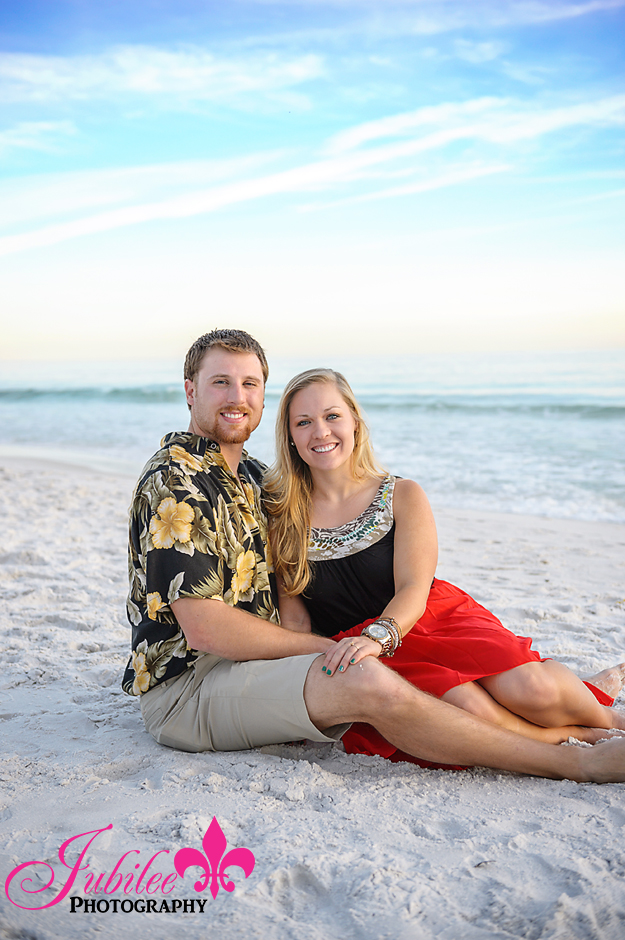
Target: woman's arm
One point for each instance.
(415, 554)
(293, 612)
(414, 562)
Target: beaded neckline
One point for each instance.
(369, 527)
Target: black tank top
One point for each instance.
(352, 567)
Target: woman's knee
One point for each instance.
(533, 684)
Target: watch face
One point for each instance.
(378, 632)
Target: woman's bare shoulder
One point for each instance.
(409, 496)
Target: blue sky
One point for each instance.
(363, 176)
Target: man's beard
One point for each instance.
(235, 436)
(222, 433)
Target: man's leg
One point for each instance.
(425, 727)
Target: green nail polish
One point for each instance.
(341, 668)
(352, 661)
(323, 668)
(328, 672)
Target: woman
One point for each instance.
(350, 541)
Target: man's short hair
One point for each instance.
(235, 340)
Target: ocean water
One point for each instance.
(537, 433)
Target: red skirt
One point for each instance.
(455, 641)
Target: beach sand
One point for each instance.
(345, 846)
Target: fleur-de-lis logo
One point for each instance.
(214, 863)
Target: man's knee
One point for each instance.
(358, 694)
(375, 686)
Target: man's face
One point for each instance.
(226, 398)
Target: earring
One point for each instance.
(292, 443)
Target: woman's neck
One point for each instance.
(338, 497)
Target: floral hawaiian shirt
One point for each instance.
(194, 532)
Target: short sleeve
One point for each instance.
(179, 542)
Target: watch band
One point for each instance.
(387, 644)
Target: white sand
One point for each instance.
(345, 846)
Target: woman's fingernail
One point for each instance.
(323, 668)
(328, 672)
(341, 668)
(352, 661)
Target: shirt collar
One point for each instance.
(202, 446)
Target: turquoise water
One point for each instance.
(525, 432)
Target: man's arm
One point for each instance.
(212, 626)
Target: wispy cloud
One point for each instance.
(396, 125)
(479, 52)
(443, 181)
(191, 74)
(547, 11)
(306, 178)
(45, 136)
(392, 18)
(493, 119)
(357, 156)
(527, 74)
(64, 195)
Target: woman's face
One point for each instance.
(322, 427)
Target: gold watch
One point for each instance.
(382, 635)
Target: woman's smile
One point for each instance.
(324, 448)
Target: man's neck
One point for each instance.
(232, 455)
(231, 452)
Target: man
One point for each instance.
(213, 667)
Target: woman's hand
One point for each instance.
(349, 652)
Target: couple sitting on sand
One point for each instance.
(218, 668)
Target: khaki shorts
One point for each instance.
(220, 705)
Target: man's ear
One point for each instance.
(189, 391)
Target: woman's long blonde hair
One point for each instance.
(289, 486)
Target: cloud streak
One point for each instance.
(65, 194)
(44, 136)
(396, 18)
(451, 178)
(495, 123)
(356, 155)
(191, 73)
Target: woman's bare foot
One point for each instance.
(609, 680)
(588, 735)
(604, 763)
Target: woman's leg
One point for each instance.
(550, 695)
(474, 699)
